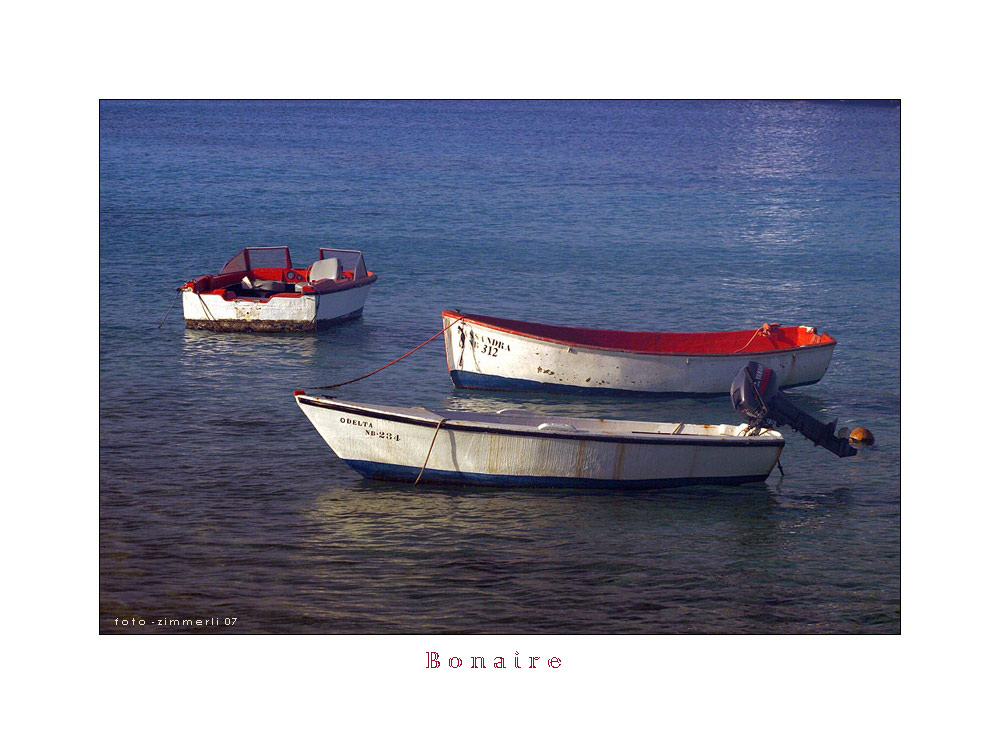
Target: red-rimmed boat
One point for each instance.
(492, 353)
(260, 290)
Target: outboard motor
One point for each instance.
(756, 397)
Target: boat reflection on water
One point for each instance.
(474, 560)
(309, 354)
(383, 516)
(201, 346)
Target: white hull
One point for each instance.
(481, 356)
(284, 312)
(516, 448)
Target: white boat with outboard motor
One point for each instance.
(519, 448)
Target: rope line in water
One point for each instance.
(172, 303)
(390, 364)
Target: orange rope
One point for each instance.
(764, 330)
(390, 364)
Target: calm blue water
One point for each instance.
(218, 498)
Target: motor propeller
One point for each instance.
(756, 397)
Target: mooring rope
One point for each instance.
(172, 303)
(429, 448)
(205, 307)
(390, 364)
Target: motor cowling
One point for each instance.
(756, 397)
(753, 389)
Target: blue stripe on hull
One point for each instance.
(477, 381)
(399, 473)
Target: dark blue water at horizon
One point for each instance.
(219, 499)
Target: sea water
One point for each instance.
(218, 500)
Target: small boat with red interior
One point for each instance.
(260, 290)
(492, 353)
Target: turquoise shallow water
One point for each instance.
(219, 499)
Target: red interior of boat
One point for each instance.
(216, 284)
(274, 275)
(770, 339)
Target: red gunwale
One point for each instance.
(215, 285)
(681, 344)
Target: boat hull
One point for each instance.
(482, 356)
(393, 444)
(282, 312)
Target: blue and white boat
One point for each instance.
(518, 448)
(489, 353)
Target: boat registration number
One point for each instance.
(488, 345)
(370, 429)
(388, 436)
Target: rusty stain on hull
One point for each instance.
(494, 458)
(619, 461)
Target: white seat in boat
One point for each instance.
(322, 269)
